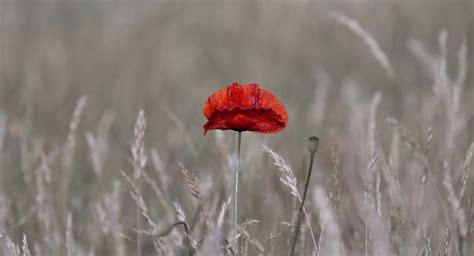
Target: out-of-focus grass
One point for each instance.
(166, 57)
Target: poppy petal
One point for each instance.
(244, 108)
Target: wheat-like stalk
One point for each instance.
(368, 39)
(288, 179)
(108, 213)
(465, 170)
(12, 247)
(369, 202)
(24, 247)
(427, 244)
(71, 137)
(158, 192)
(139, 158)
(453, 199)
(446, 243)
(286, 173)
(193, 186)
(140, 202)
(335, 176)
(70, 251)
(329, 222)
(182, 218)
(409, 140)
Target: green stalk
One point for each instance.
(313, 147)
(236, 196)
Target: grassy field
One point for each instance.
(102, 148)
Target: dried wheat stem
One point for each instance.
(428, 244)
(368, 39)
(193, 185)
(139, 160)
(336, 181)
(459, 214)
(465, 171)
(313, 147)
(288, 179)
(24, 248)
(446, 242)
(69, 236)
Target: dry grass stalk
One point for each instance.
(179, 211)
(97, 150)
(450, 92)
(329, 222)
(158, 193)
(193, 186)
(288, 179)
(321, 239)
(244, 244)
(182, 218)
(138, 198)
(335, 176)
(213, 245)
(427, 244)
(222, 212)
(69, 151)
(368, 39)
(454, 202)
(3, 129)
(70, 144)
(76, 118)
(446, 243)
(44, 202)
(369, 202)
(271, 237)
(243, 232)
(465, 171)
(409, 140)
(139, 158)
(24, 247)
(375, 233)
(70, 251)
(286, 173)
(371, 140)
(159, 168)
(12, 248)
(98, 144)
(424, 178)
(108, 213)
(270, 241)
(378, 194)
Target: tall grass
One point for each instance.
(388, 87)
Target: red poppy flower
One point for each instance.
(244, 108)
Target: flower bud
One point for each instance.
(313, 143)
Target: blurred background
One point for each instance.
(167, 57)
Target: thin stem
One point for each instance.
(366, 236)
(236, 196)
(300, 210)
(139, 240)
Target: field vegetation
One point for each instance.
(102, 149)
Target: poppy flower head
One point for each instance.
(244, 108)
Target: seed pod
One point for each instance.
(313, 144)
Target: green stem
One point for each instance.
(300, 210)
(236, 196)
